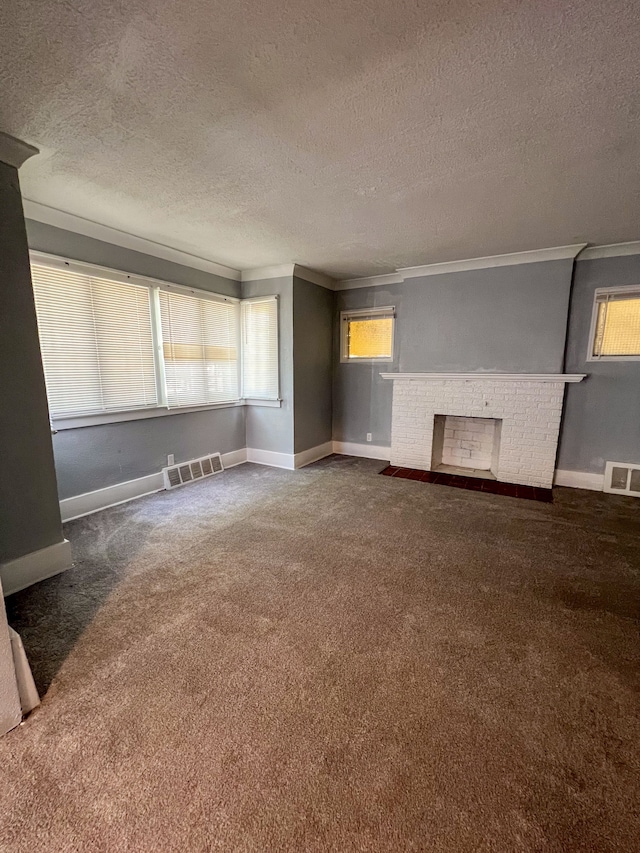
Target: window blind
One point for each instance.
(618, 325)
(260, 380)
(370, 338)
(200, 348)
(96, 342)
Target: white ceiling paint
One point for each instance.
(354, 137)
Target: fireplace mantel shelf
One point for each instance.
(489, 377)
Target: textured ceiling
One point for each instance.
(351, 136)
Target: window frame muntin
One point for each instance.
(600, 295)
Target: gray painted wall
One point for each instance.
(506, 319)
(312, 360)
(95, 457)
(29, 511)
(269, 428)
(602, 414)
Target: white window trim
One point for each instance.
(372, 313)
(78, 421)
(600, 295)
(97, 418)
(267, 402)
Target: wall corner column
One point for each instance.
(29, 509)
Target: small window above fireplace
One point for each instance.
(367, 334)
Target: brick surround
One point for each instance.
(530, 409)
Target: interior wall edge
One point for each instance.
(313, 454)
(271, 458)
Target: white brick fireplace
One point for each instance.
(511, 432)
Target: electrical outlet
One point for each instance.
(368, 436)
(171, 459)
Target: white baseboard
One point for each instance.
(89, 502)
(36, 566)
(290, 461)
(235, 457)
(271, 458)
(306, 457)
(81, 505)
(580, 480)
(368, 451)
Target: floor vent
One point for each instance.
(622, 478)
(189, 472)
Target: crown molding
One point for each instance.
(611, 250)
(369, 281)
(260, 273)
(556, 253)
(314, 277)
(79, 225)
(286, 270)
(14, 152)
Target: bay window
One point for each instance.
(118, 343)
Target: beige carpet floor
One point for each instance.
(330, 660)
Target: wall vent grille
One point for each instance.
(194, 469)
(622, 478)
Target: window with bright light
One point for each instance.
(260, 378)
(367, 335)
(616, 324)
(112, 342)
(199, 349)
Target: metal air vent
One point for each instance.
(194, 469)
(622, 478)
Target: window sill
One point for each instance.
(77, 422)
(346, 360)
(594, 359)
(271, 404)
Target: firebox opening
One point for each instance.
(468, 446)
